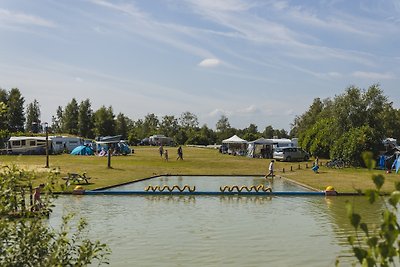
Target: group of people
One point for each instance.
(164, 153)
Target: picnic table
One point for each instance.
(76, 178)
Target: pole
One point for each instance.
(109, 156)
(47, 145)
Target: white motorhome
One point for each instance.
(283, 142)
(65, 143)
(160, 139)
(27, 145)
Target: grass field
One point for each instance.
(146, 162)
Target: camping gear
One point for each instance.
(82, 150)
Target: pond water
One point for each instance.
(211, 183)
(160, 230)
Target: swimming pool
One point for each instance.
(161, 230)
(209, 185)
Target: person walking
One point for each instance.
(270, 169)
(166, 155)
(180, 153)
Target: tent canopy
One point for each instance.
(234, 140)
(262, 141)
(82, 150)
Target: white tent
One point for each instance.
(260, 148)
(236, 145)
(234, 140)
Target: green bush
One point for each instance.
(377, 246)
(351, 145)
(26, 237)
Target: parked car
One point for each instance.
(290, 154)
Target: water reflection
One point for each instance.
(331, 216)
(219, 230)
(244, 199)
(171, 198)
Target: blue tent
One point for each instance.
(82, 150)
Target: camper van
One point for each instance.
(118, 146)
(27, 145)
(65, 143)
(159, 139)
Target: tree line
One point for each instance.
(339, 127)
(80, 119)
(348, 124)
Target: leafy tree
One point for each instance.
(204, 136)
(136, 132)
(150, 124)
(356, 108)
(70, 117)
(376, 246)
(268, 132)
(33, 117)
(3, 95)
(169, 126)
(282, 133)
(104, 121)
(26, 237)
(391, 121)
(3, 130)
(319, 139)
(85, 119)
(250, 133)
(181, 137)
(351, 144)
(308, 119)
(121, 125)
(209, 135)
(223, 129)
(57, 121)
(3, 110)
(353, 111)
(188, 120)
(15, 111)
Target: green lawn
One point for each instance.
(146, 162)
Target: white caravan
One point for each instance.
(65, 143)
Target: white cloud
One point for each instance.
(147, 26)
(11, 17)
(219, 112)
(209, 63)
(249, 110)
(372, 75)
(226, 5)
(289, 112)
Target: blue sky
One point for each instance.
(254, 61)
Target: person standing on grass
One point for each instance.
(315, 168)
(161, 150)
(166, 155)
(180, 153)
(270, 169)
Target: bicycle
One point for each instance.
(335, 163)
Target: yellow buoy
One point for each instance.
(330, 191)
(330, 188)
(78, 190)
